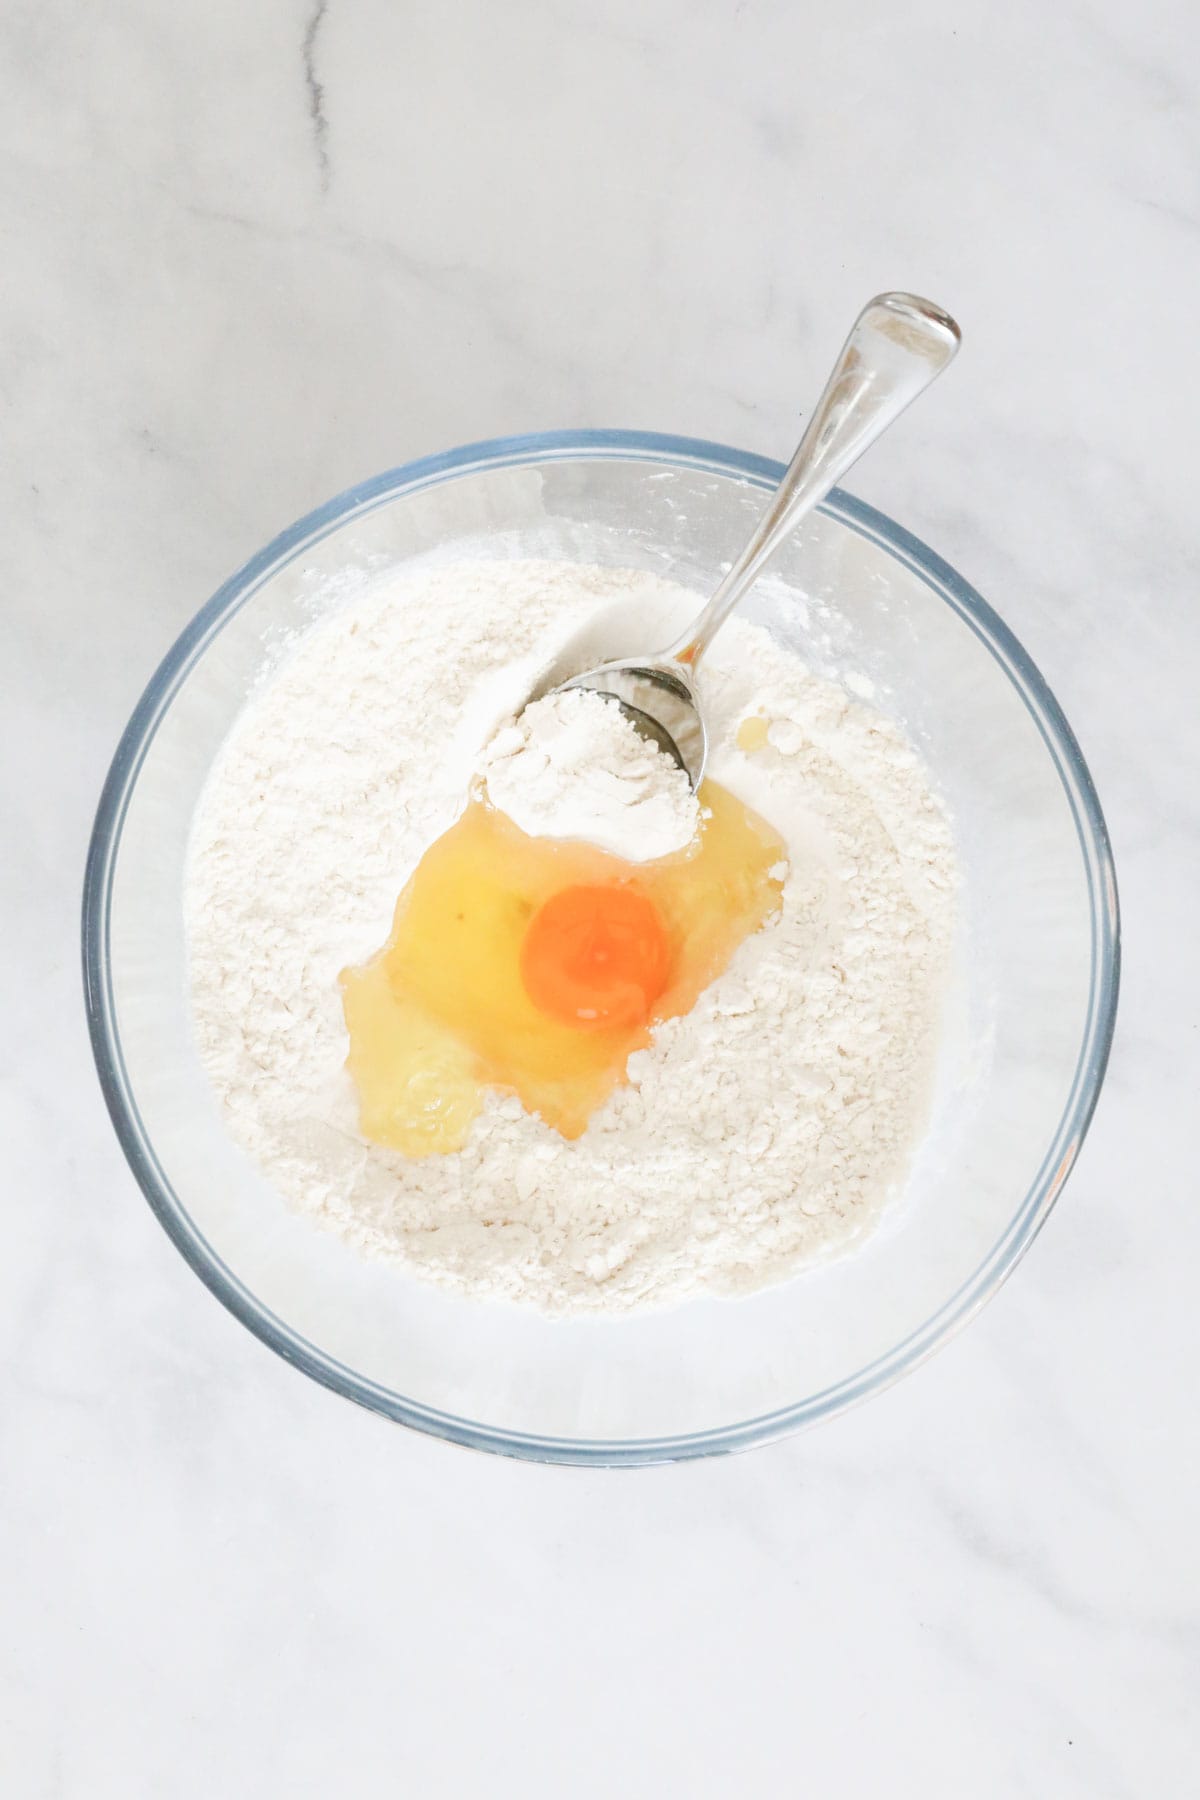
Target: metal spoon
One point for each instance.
(899, 344)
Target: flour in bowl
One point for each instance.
(761, 1131)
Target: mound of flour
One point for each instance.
(762, 1131)
(573, 766)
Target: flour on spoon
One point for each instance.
(573, 766)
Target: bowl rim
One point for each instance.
(866, 521)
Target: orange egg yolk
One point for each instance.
(535, 968)
(596, 957)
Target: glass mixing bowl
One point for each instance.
(1025, 1047)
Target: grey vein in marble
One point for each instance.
(316, 92)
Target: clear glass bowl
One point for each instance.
(1025, 1051)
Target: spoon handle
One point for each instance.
(899, 344)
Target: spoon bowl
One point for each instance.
(659, 700)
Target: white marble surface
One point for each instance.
(253, 253)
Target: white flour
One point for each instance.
(763, 1130)
(574, 767)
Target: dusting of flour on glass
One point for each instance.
(761, 1131)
